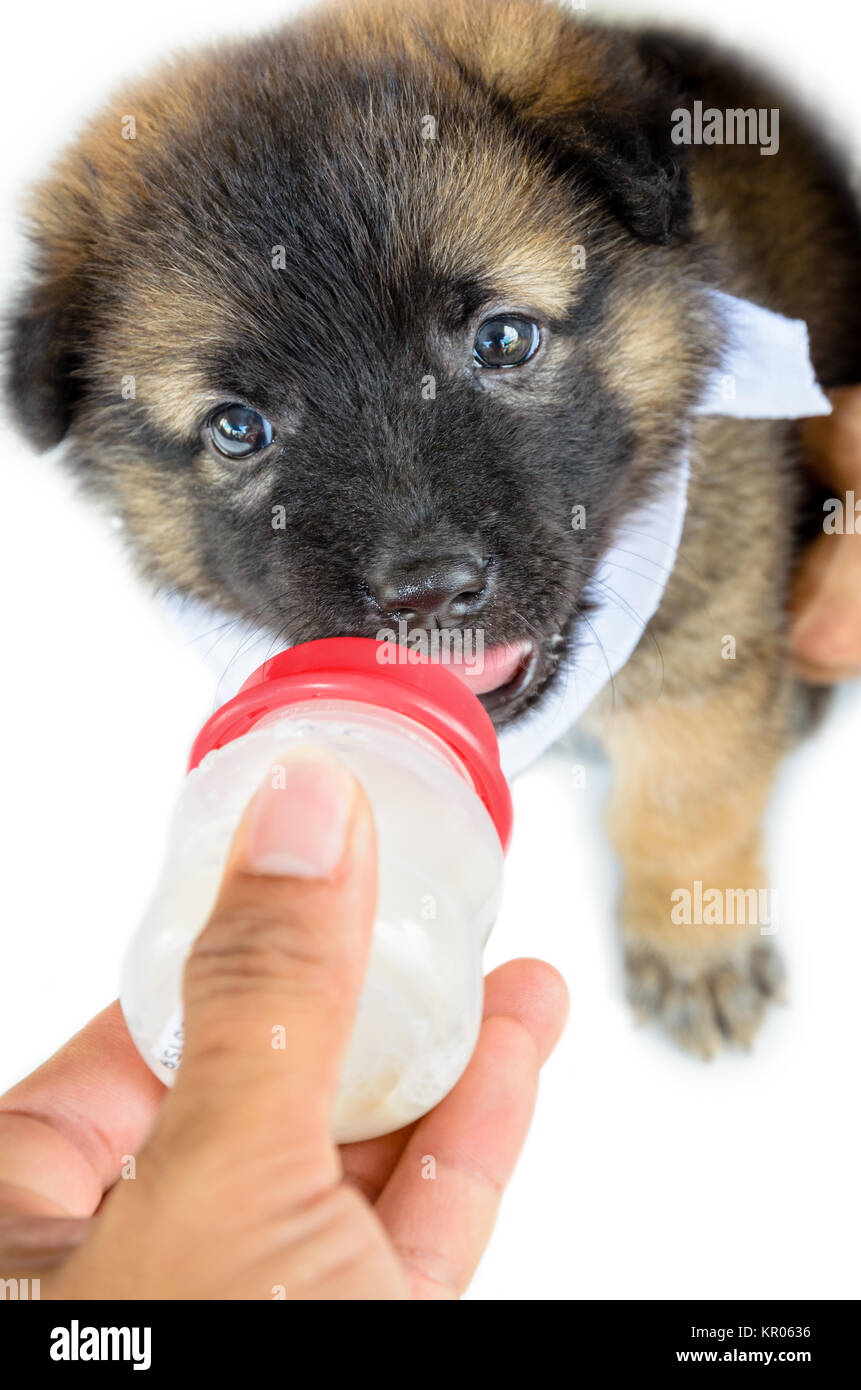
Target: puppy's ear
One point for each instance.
(606, 114)
(628, 155)
(596, 101)
(43, 352)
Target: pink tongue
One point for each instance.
(489, 669)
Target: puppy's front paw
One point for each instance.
(705, 999)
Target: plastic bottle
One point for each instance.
(425, 752)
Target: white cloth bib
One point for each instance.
(766, 373)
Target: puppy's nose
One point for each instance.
(444, 589)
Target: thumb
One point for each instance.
(272, 982)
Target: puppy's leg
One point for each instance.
(693, 777)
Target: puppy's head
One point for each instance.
(346, 322)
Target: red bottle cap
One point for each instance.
(378, 673)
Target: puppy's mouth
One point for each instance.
(508, 678)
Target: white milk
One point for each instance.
(440, 871)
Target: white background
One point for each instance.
(647, 1174)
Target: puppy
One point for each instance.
(248, 270)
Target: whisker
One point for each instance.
(625, 607)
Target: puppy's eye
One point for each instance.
(237, 431)
(506, 341)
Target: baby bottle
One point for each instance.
(425, 752)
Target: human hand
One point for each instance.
(826, 634)
(239, 1192)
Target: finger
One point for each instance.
(272, 982)
(66, 1130)
(826, 632)
(35, 1244)
(832, 443)
(520, 989)
(441, 1202)
(533, 993)
(826, 601)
